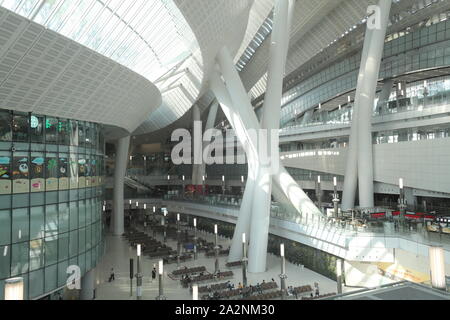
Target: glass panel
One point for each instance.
(51, 274)
(37, 128)
(51, 220)
(63, 247)
(73, 215)
(5, 257)
(20, 225)
(36, 254)
(37, 220)
(51, 250)
(20, 127)
(51, 172)
(37, 172)
(5, 125)
(62, 273)
(21, 174)
(19, 259)
(63, 132)
(73, 243)
(51, 125)
(5, 227)
(5, 172)
(63, 217)
(36, 279)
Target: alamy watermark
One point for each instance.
(219, 147)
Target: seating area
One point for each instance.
(242, 293)
(303, 289)
(213, 287)
(150, 246)
(319, 297)
(265, 296)
(212, 253)
(211, 277)
(234, 264)
(186, 271)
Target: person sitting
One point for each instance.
(240, 286)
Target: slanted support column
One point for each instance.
(209, 125)
(243, 222)
(198, 145)
(366, 102)
(88, 286)
(384, 94)
(307, 117)
(122, 147)
(365, 77)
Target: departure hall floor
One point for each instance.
(118, 254)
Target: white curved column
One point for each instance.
(245, 212)
(122, 147)
(351, 169)
(209, 125)
(88, 286)
(367, 98)
(307, 117)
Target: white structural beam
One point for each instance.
(122, 147)
(366, 102)
(209, 125)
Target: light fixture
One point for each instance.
(437, 267)
(223, 178)
(138, 250)
(282, 250)
(203, 177)
(183, 178)
(318, 179)
(137, 204)
(178, 217)
(104, 208)
(195, 292)
(168, 177)
(242, 179)
(145, 206)
(130, 202)
(14, 289)
(154, 209)
(400, 183)
(215, 229)
(335, 181)
(161, 267)
(243, 238)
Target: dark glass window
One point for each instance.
(5, 125)
(51, 125)
(37, 129)
(81, 134)
(73, 133)
(63, 132)
(20, 127)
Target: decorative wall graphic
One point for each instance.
(21, 175)
(51, 182)
(63, 174)
(5, 175)
(37, 174)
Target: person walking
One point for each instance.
(153, 273)
(112, 276)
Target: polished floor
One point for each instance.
(118, 254)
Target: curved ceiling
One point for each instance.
(46, 73)
(151, 38)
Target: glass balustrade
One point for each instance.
(338, 227)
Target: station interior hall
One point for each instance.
(225, 150)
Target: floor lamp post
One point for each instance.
(138, 274)
(216, 250)
(160, 278)
(283, 275)
(195, 238)
(178, 240)
(244, 260)
(335, 198)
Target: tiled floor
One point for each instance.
(118, 254)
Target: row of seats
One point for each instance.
(265, 296)
(303, 289)
(212, 253)
(233, 264)
(209, 277)
(213, 287)
(189, 271)
(319, 297)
